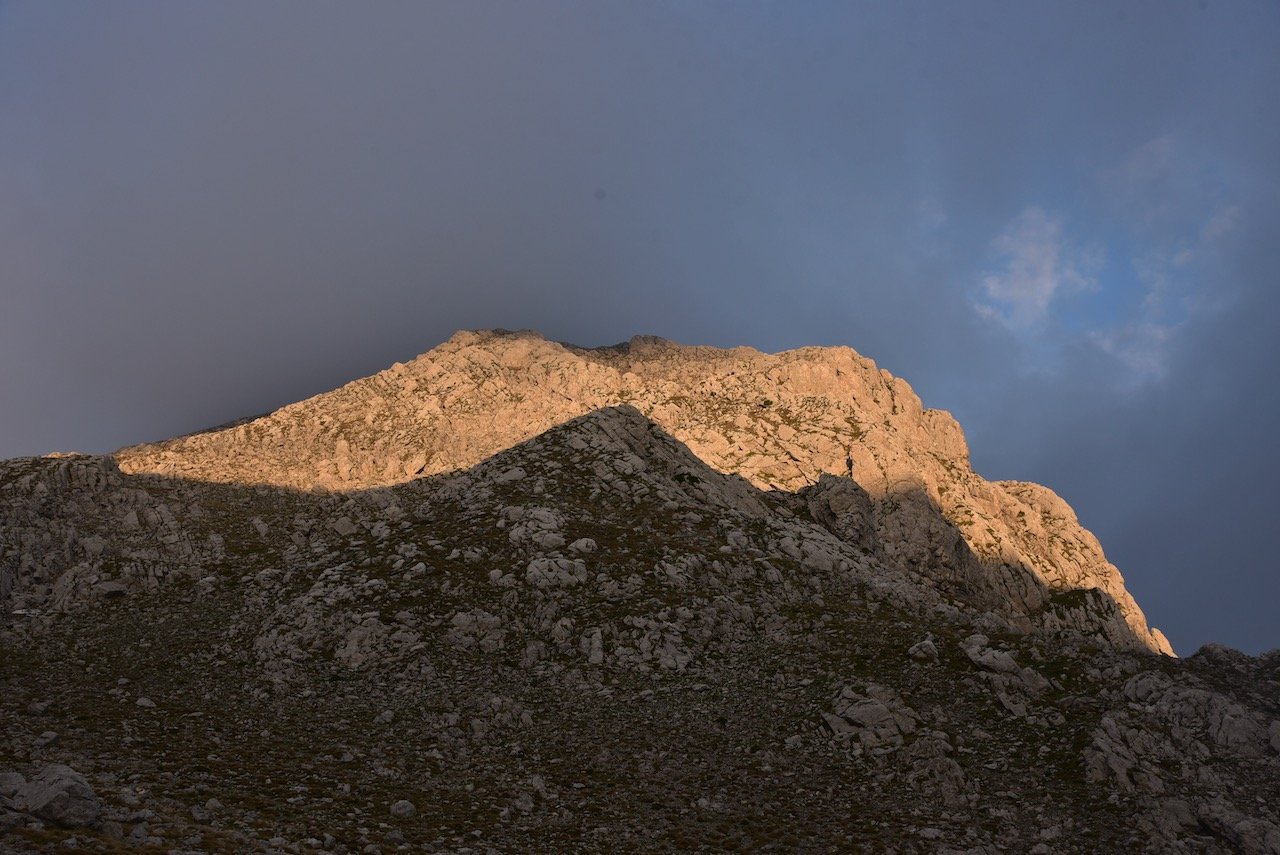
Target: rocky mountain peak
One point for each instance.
(781, 421)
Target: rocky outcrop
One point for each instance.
(58, 794)
(76, 531)
(876, 721)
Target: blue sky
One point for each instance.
(1058, 221)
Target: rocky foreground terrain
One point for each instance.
(518, 596)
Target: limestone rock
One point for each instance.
(61, 795)
(878, 719)
(924, 651)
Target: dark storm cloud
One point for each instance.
(1057, 222)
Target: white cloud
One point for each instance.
(1153, 271)
(1141, 347)
(1163, 189)
(1172, 279)
(1175, 214)
(1037, 264)
(1147, 187)
(1172, 221)
(1147, 164)
(1222, 221)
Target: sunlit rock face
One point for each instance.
(781, 421)
(522, 597)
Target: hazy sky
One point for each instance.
(1059, 221)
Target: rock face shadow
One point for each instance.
(908, 530)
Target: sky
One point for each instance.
(1059, 221)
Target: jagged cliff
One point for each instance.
(516, 596)
(781, 421)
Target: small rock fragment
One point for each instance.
(924, 651)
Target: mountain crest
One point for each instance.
(781, 421)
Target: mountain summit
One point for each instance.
(517, 596)
(781, 421)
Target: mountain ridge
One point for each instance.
(835, 413)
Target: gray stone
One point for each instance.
(924, 651)
(10, 783)
(583, 545)
(61, 795)
(111, 589)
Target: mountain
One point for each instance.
(780, 421)
(516, 595)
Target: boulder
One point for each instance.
(60, 795)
